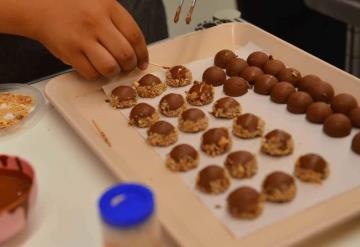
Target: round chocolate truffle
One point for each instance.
(290, 75)
(172, 105)
(200, 94)
(223, 57)
(193, 120)
(245, 203)
(277, 143)
(281, 91)
(236, 66)
(264, 84)
(273, 66)
(236, 86)
(337, 125)
(354, 116)
(216, 141)
(143, 115)
(321, 91)
(311, 168)
(226, 107)
(178, 76)
(355, 145)
(298, 102)
(241, 164)
(149, 86)
(214, 76)
(248, 126)
(162, 134)
(257, 58)
(279, 187)
(307, 81)
(317, 112)
(343, 103)
(123, 97)
(182, 158)
(213, 180)
(250, 73)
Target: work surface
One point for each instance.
(70, 180)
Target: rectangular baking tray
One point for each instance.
(182, 214)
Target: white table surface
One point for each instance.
(71, 178)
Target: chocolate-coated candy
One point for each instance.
(281, 92)
(289, 75)
(343, 103)
(257, 58)
(337, 125)
(298, 102)
(354, 116)
(214, 76)
(317, 112)
(223, 57)
(250, 73)
(236, 66)
(149, 80)
(264, 84)
(355, 145)
(236, 86)
(273, 66)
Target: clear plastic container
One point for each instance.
(128, 217)
(35, 113)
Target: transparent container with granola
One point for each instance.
(20, 106)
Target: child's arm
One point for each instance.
(97, 37)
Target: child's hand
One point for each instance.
(96, 37)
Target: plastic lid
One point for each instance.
(126, 205)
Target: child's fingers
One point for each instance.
(131, 31)
(101, 59)
(119, 47)
(84, 67)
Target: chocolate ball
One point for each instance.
(179, 72)
(213, 179)
(281, 92)
(244, 201)
(313, 162)
(248, 121)
(140, 111)
(307, 81)
(214, 76)
(214, 136)
(273, 66)
(250, 73)
(173, 101)
(183, 152)
(337, 125)
(124, 93)
(257, 58)
(236, 66)
(277, 180)
(162, 128)
(289, 75)
(298, 102)
(226, 107)
(317, 112)
(200, 94)
(223, 57)
(343, 103)
(264, 84)
(354, 116)
(235, 86)
(193, 114)
(355, 145)
(321, 91)
(149, 80)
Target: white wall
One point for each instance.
(204, 11)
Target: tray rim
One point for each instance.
(345, 201)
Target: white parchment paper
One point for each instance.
(344, 164)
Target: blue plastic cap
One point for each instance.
(126, 205)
